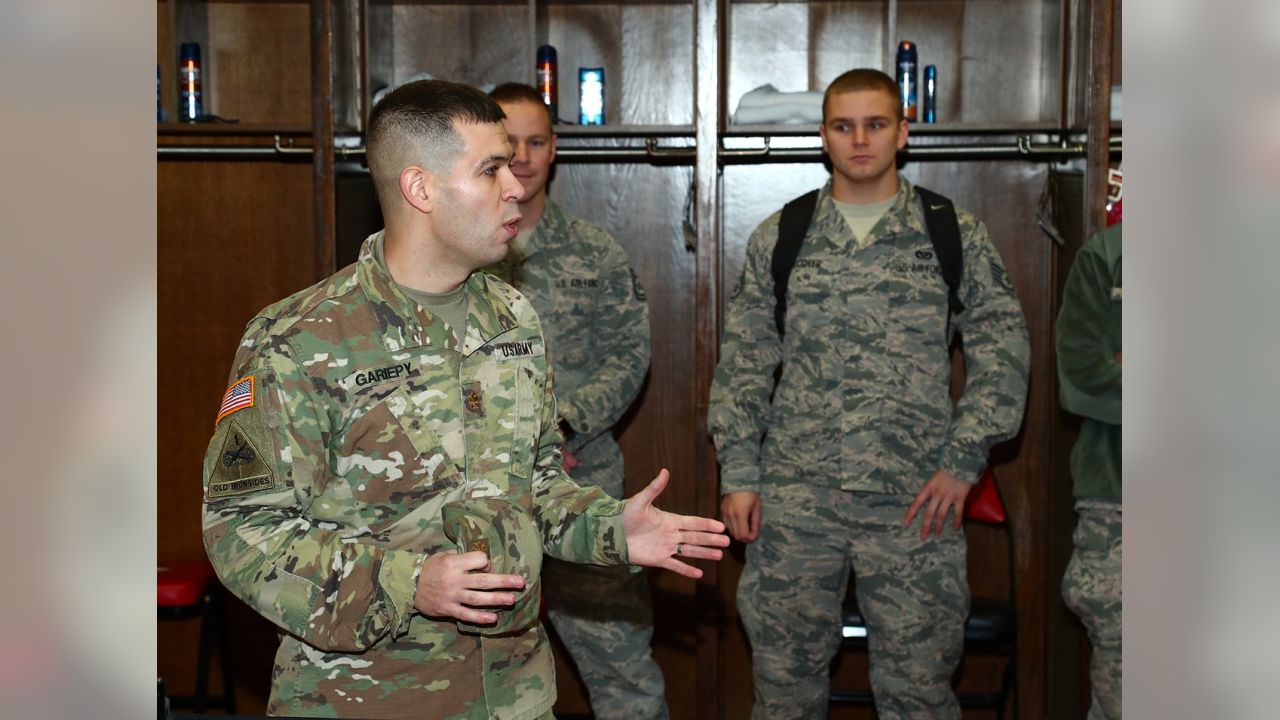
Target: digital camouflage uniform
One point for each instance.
(1088, 338)
(324, 496)
(593, 312)
(860, 421)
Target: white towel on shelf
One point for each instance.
(765, 105)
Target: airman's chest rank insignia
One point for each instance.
(516, 349)
(239, 468)
(375, 376)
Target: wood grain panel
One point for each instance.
(989, 55)
(322, 178)
(709, 61)
(1117, 44)
(642, 206)
(166, 57)
(232, 237)
(482, 45)
(1067, 644)
(646, 51)
(843, 36)
(258, 62)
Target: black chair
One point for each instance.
(188, 590)
(991, 628)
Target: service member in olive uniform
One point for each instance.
(861, 454)
(1089, 374)
(594, 317)
(405, 391)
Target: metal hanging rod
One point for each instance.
(279, 146)
(1023, 147)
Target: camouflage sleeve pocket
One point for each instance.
(528, 421)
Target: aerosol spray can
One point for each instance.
(590, 96)
(931, 93)
(547, 79)
(906, 77)
(190, 96)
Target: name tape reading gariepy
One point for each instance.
(374, 376)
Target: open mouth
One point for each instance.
(512, 226)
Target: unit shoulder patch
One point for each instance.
(239, 468)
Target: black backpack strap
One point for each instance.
(944, 231)
(796, 216)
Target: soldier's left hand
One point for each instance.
(656, 538)
(942, 494)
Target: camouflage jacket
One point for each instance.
(863, 402)
(353, 418)
(593, 312)
(1089, 376)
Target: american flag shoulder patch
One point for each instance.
(238, 397)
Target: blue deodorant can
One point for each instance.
(931, 93)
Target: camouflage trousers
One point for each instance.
(604, 616)
(1091, 588)
(913, 594)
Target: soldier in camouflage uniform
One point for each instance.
(365, 405)
(861, 434)
(597, 327)
(1089, 375)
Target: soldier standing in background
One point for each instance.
(366, 409)
(1089, 378)
(857, 458)
(593, 313)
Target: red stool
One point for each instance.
(187, 590)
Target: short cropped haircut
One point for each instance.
(514, 92)
(862, 79)
(413, 125)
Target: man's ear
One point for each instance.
(416, 187)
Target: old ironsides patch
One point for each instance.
(239, 468)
